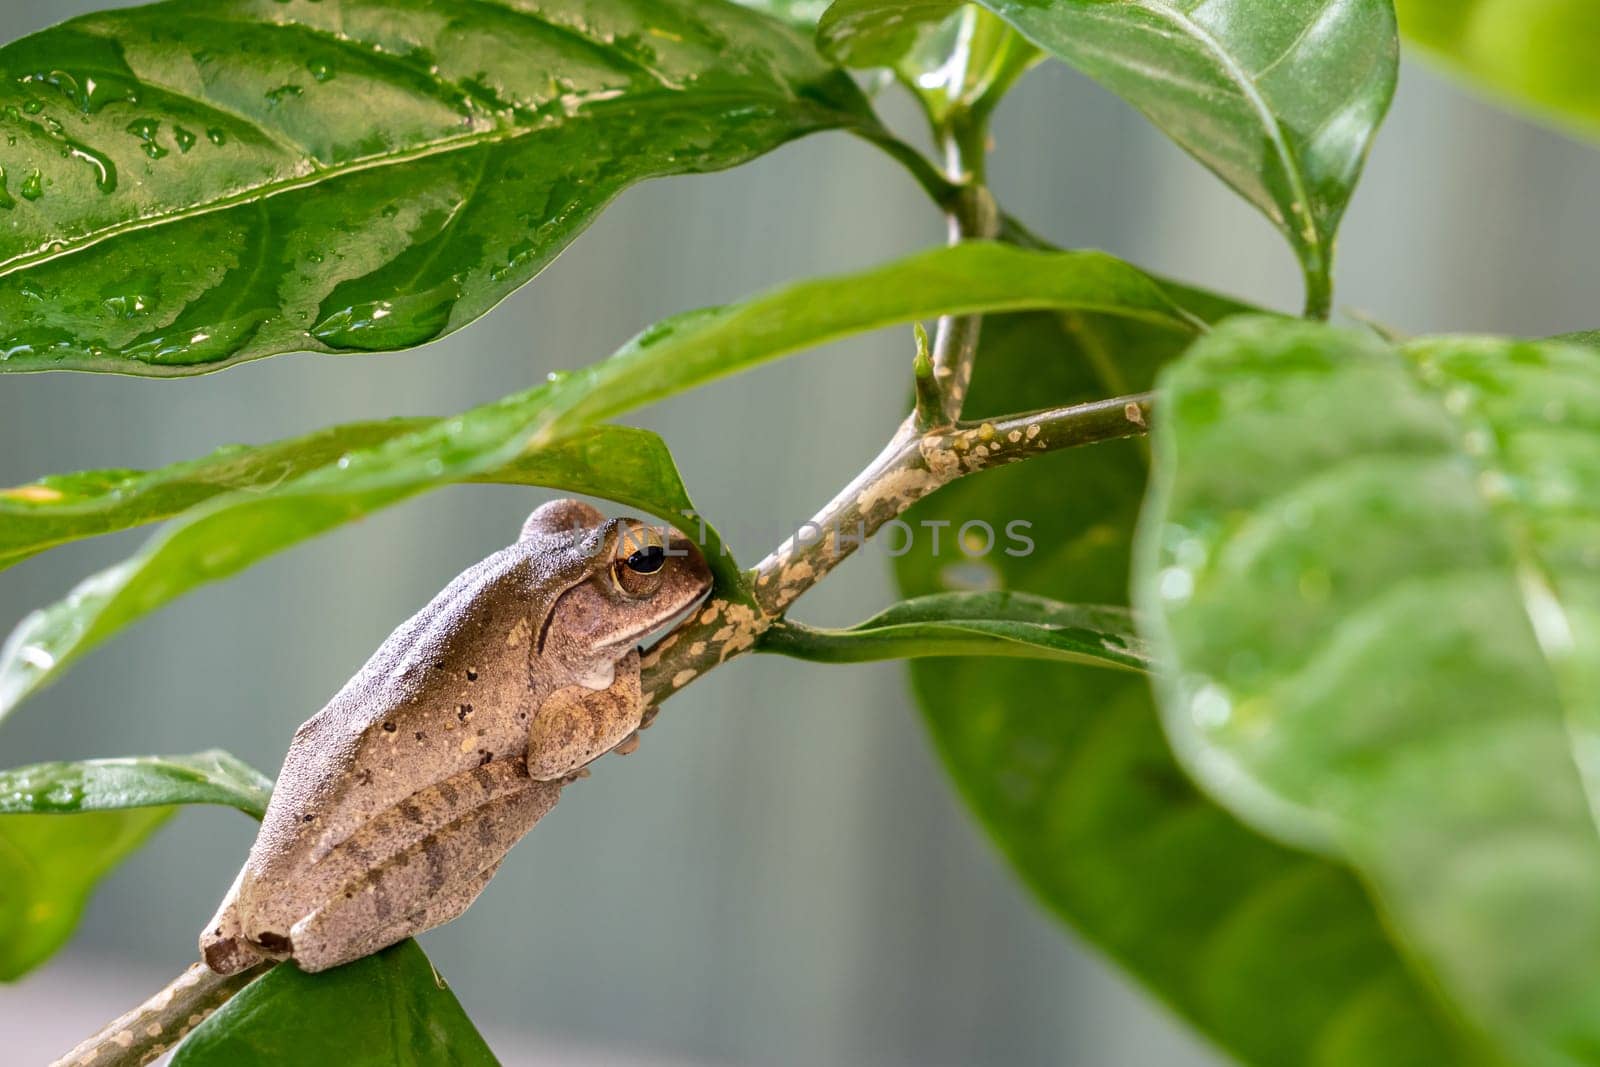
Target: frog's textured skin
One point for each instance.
(397, 802)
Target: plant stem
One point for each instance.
(912, 465)
(161, 1022)
(973, 216)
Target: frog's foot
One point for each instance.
(222, 943)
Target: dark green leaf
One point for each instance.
(1372, 572)
(1537, 54)
(542, 437)
(1281, 100)
(49, 866)
(972, 624)
(1275, 956)
(388, 1010)
(214, 777)
(197, 183)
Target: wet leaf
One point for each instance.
(214, 777)
(1274, 955)
(1281, 100)
(1539, 55)
(383, 1011)
(192, 184)
(972, 624)
(543, 437)
(65, 826)
(1371, 573)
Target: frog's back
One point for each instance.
(451, 689)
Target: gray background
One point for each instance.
(780, 876)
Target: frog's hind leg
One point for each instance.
(421, 886)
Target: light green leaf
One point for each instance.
(972, 624)
(68, 507)
(1274, 955)
(547, 436)
(49, 866)
(213, 777)
(1372, 572)
(386, 1010)
(1280, 100)
(977, 276)
(1533, 54)
(954, 57)
(197, 183)
(802, 13)
(236, 529)
(65, 826)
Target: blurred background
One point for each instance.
(781, 875)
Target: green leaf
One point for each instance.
(68, 507)
(235, 529)
(802, 13)
(383, 1011)
(972, 624)
(213, 777)
(1538, 55)
(1281, 101)
(49, 866)
(547, 436)
(1372, 572)
(977, 276)
(197, 183)
(65, 826)
(954, 57)
(1274, 955)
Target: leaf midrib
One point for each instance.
(1258, 103)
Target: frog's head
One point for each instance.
(617, 580)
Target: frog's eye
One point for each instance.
(639, 561)
(647, 560)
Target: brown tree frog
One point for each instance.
(397, 801)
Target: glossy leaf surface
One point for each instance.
(387, 1010)
(1274, 955)
(542, 437)
(71, 788)
(191, 184)
(1535, 54)
(978, 276)
(952, 56)
(1280, 100)
(1371, 572)
(65, 826)
(973, 624)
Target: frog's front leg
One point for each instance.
(576, 725)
